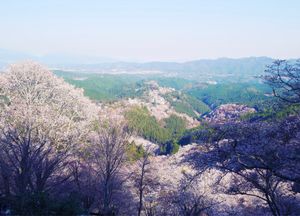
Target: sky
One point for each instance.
(148, 30)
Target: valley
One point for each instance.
(163, 109)
(184, 144)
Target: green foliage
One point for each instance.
(240, 93)
(293, 109)
(134, 152)
(182, 107)
(140, 120)
(174, 82)
(170, 147)
(187, 104)
(202, 132)
(105, 87)
(176, 126)
(197, 105)
(174, 148)
(271, 113)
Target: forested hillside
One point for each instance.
(111, 87)
(90, 144)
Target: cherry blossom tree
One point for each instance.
(260, 157)
(106, 153)
(284, 78)
(145, 183)
(43, 120)
(189, 199)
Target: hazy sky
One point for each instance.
(152, 29)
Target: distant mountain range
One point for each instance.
(242, 69)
